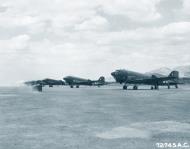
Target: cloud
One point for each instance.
(186, 6)
(177, 28)
(3, 8)
(16, 20)
(14, 44)
(95, 23)
(176, 31)
(73, 36)
(140, 11)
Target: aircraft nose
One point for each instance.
(113, 74)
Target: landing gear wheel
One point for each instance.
(71, 86)
(151, 87)
(176, 86)
(77, 86)
(124, 87)
(156, 87)
(135, 87)
(168, 86)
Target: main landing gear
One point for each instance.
(176, 86)
(124, 87)
(71, 86)
(155, 87)
(135, 87)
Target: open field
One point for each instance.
(93, 118)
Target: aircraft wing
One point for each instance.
(80, 82)
(153, 80)
(102, 83)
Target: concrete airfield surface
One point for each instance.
(93, 118)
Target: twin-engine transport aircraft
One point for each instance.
(71, 80)
(39, 84)
(134, 78)
(44, 82)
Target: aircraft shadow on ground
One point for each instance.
(144, 89)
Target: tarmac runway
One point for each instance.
(93, 118)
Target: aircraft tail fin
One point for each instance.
(174, 74)
(154, 77)
(101, 79)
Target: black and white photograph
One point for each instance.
(94, 74)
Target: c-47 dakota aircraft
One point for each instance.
(44, 82)
(71, 81)
(134, 78)
(39, 84)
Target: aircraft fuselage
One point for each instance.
(134, 78)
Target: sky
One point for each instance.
(89, 38)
